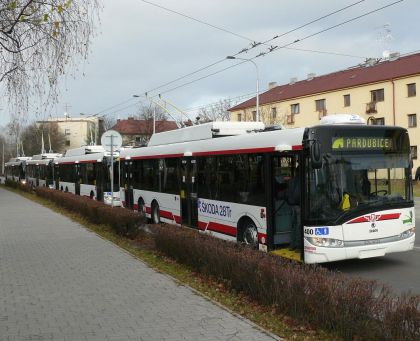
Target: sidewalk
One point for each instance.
(59, 281)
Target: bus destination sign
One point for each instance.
(362, 143)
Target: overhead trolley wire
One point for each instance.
(276, 48)
(253, 45)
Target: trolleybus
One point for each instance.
(236, 180)
(40, 170)
(84, 171)
(15, 169)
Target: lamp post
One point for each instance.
(258, 83)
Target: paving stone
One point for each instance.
(59, 281)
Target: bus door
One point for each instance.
(127, 181)
(78, 178)
(285, 200)
(188, 195)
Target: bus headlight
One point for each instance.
(408, 233)
(23, 182)
(325, 242)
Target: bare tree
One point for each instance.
(40, 40)
(33, 134)
(108, 122)
(146, 113)
(216, 111)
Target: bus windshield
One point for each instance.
(354, 182)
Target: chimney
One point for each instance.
(293, 80)
(130, 118)
(272, 85)
(311, 76)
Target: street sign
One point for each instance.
(111, 139)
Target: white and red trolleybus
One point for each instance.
(15, 169)
(237, 180)
(40, 170)
(83, 171)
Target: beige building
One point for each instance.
(78, 131)
(382, 92)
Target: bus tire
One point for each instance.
(66, 190)
(155, 213)
(248, 233)
(141, 207)
(91, 195)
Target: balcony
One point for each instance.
(322, 113)
(371, 108)
(290, 119)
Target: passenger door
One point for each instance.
(283, 170)
(188, 195)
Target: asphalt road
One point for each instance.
(401, 271)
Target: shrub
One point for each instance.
(351, 307)
(124, 222)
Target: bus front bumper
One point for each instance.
(316, 254)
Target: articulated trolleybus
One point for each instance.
(335, 191)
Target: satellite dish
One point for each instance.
(111, 138)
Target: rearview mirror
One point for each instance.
(316, 158)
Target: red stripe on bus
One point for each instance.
(235, 151)
(154, 156)
(216, 227)
(214, 152)
(166, 215)
(261, 236)
(378, 217)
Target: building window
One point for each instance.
(295, 108)
(320, 105)
(239, 117)
(346, 100)
(411, 90)
(377, 95)
(66, 131)
(412, 120)
(67, 142)
(274, 113)
(413, 152)
(380, 121)
(254, 116)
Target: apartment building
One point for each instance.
(383, 92)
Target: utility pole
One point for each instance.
(2, 160)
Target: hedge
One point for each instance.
(353, 308)
(124, 222)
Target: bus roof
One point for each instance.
(204, 131)
(277, 140)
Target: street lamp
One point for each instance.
(258, 83)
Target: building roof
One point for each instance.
(132, 126)
(357, 76)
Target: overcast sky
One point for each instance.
(140, 47)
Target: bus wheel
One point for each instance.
(141, 207)
(66, 190)
(249, 234)
(155, 213)
(91, 195)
